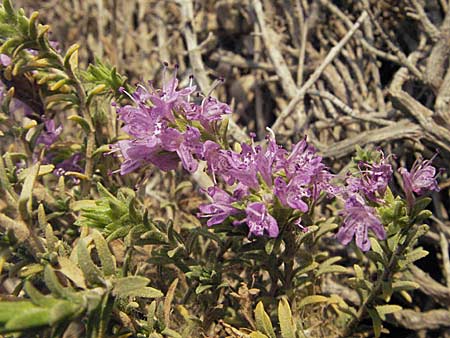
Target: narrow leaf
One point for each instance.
(125, 285)
(106, 258)
(287, 324)
(168, 301)
(383, 310)
(312, 300)
(91, 272)
(25, 198)
(263, 323)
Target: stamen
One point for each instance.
(215, 84)
(272, 133)
(191, 80)
(166, 64)
(123, 91)
(174, 80)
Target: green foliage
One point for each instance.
(115, 216)
(98, 290)
(103, 77)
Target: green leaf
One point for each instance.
(202, 288)
(25, 199)
(269, 246)
(9, 310)
(145, 292)
(29, 319)
(171, 333)
(38, 298)
(151, 316)
(106, 258)
(420, 205)
(301, 270)
(413, 256)
(358, 272)
(53, 283)
(82, 122)
(5, 184)
(17, 227)
(376, 322)
(71, 56)
(72, 271)
(423, 215)
(125, 285)
(263, 323)
(32, 28)
(376, 247)
(387, 290)
(91, 272)
(168, 301)
(312, 300)
(9, 9)
(405, 285)
(135, 286)
(43, 170)
(331, 269)
(61, 310)
(383, 310)
(325, 228)
(287, 324)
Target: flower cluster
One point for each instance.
(367, 186)
(421, 179)
(261, 175)
(165, 127)
(358, 219)
(261, 180)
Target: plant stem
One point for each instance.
(387, 274)
(83, 110)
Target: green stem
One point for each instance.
(83, 110)
(374, 293)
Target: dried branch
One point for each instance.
(318, 72)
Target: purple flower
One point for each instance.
(70, 164)
(243, 166)
(220, 209)
(372, 181)
(50, 134)
(190, 146)
(292, 194)
(5, 60)
(233, 167)
(269, 161)
(358, 219)
(155, 130)
(259, 221)
(137, 153)
(213, 156)
(139, 121)
(421, 179)
(210, 111)
(169, 98)
(303, 161)
(307, 168)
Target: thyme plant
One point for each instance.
(87, 253)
